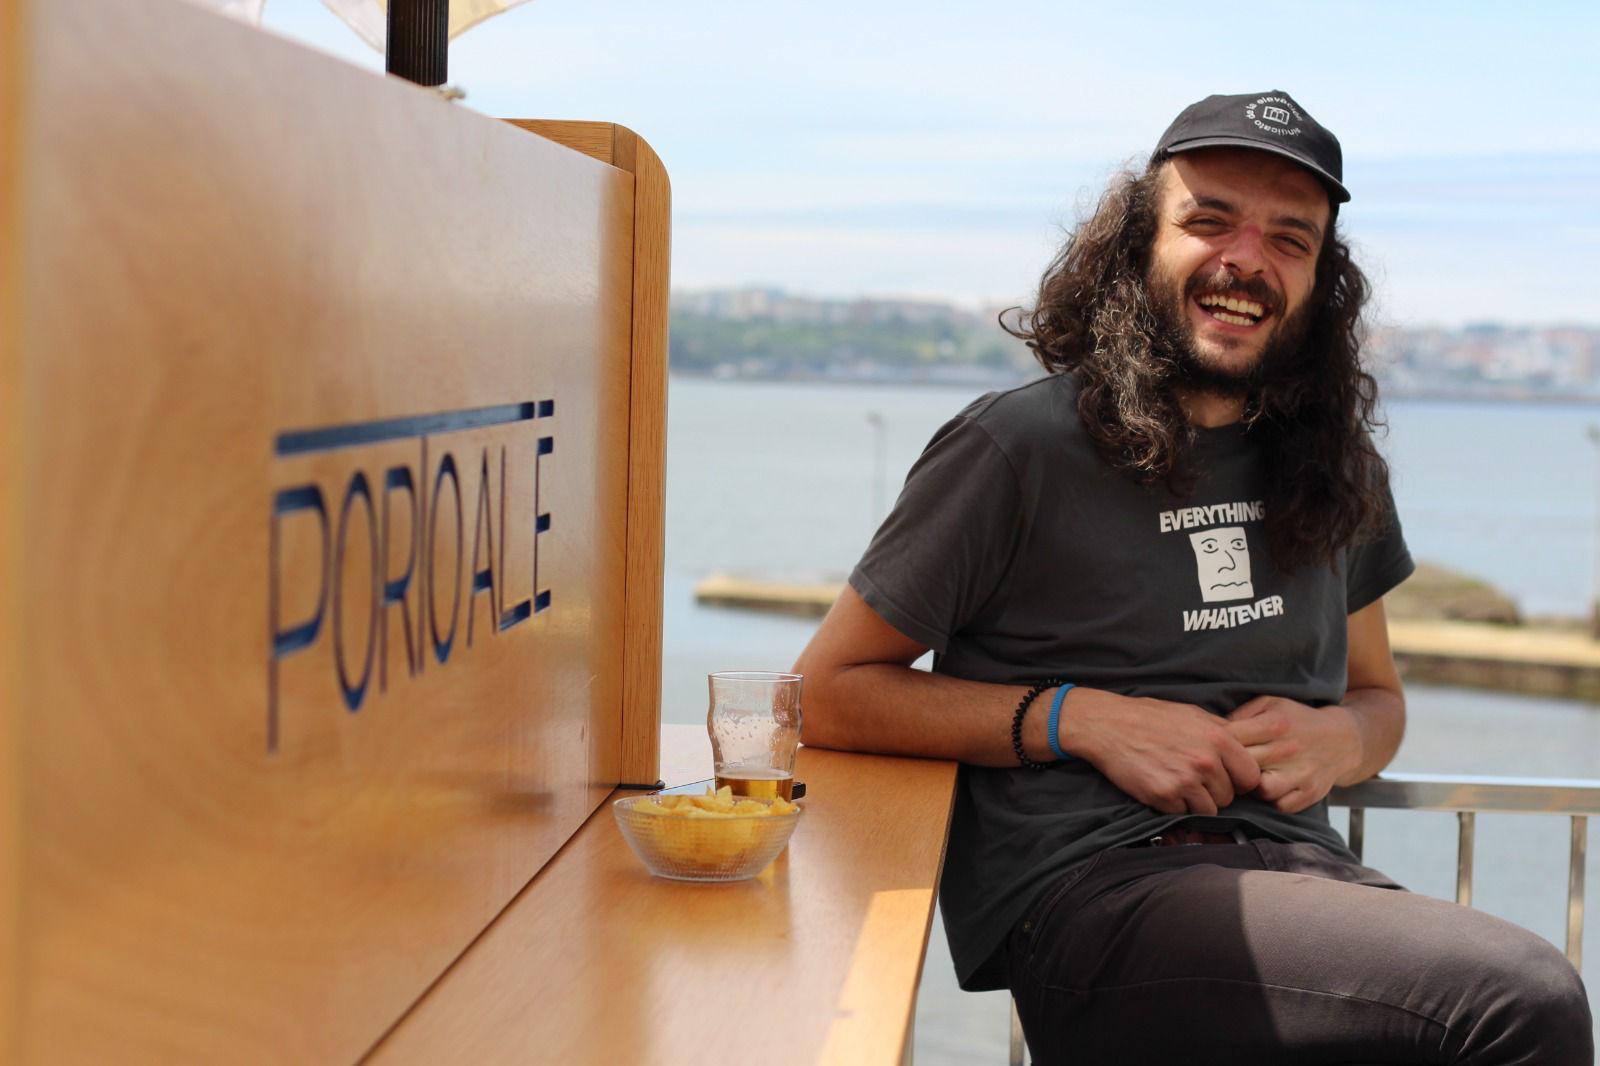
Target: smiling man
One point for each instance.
(1153, 582)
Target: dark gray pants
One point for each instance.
(1259, 953)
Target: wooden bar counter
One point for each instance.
(817, 960)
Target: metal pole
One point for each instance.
(1467, 821)
(1575, 872)
(419, 40)
(1019, 1045)
(1594, 609)
(880, 464)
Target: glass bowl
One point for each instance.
(731, 847)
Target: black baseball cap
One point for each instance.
(1270, 122)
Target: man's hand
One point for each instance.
(1174, 757)
(1302, 751)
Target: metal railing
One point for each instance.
(1466, 796)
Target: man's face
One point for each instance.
(1234, 258)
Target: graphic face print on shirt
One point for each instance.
(1222, 562)
(1223, 556)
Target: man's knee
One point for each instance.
(1533, 1007)
(1555, 998)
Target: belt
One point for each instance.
(1178, 836)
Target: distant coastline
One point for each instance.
(769, 335)
(1510, 395)
(956, 375)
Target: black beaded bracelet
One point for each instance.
(1016, 725)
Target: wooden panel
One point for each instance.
(647, 427)
(13, 79)
(594, 139)
(278, 323)
(598, 962)
(647, 455)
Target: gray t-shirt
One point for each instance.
(1016, 554)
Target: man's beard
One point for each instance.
(1173, 338)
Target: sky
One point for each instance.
(882, 147)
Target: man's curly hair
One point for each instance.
(1327, 486)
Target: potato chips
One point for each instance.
(718, 804)
(716, 836)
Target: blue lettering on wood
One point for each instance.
(303, 634)
(441, 645)
(395, 589)
(415, 561)
(482, 536)
(355, 693)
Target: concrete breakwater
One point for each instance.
(1537, 660)
(1432, 643)
(805, 598)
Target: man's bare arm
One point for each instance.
(1374, 696)
(861, 694)
(1304, 751)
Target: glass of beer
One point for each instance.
(754, 724)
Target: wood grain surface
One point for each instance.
(13, 79)
(647, 426)
(593, 139)
(815, 961)
(647, 456)
(252, 806)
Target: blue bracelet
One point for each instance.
(1055, 719)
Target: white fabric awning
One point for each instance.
(249, 10)
(370, 18)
